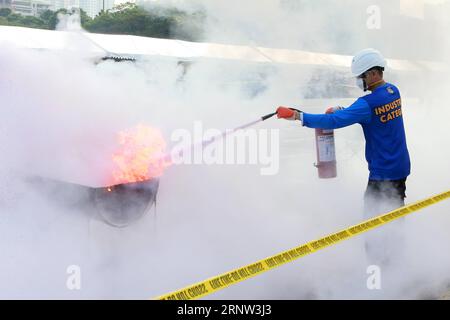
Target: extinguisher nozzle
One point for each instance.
(267, 116)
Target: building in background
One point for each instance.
(93, 7)
(64, 4)
(5, 4)
(36, 7)
(30, 7)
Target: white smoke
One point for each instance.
(60, 115)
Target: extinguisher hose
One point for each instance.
(226, 133)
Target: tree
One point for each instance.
(46, 17)
(32, 22)
(54, 19)
(131, 19)
(127, 18)
(4, 12)
(85, 19)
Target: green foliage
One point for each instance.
(13, 19)
(126, 18)
(50, 18)
(131, 19)
(4, 12)
(53, 18)
(85, 19)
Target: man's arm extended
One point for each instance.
(358, 112)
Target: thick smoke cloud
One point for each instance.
(59, 118)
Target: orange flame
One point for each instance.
(140, 155)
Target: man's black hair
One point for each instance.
(379, 69)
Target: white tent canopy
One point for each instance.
(102, 44)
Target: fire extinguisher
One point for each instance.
(326, 152)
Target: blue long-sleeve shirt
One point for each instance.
(380, 115)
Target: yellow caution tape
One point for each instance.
(224, 280)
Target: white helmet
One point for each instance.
(367, 59)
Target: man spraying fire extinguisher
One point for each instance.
(380, 115)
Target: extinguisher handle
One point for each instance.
(295, 109)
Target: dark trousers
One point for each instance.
(384, 244)
(393, 191)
